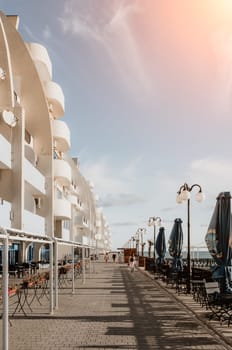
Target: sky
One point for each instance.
(148, 99)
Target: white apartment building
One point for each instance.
(42, 190)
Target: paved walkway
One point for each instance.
(116, 309)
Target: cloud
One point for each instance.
(213, 174)
(47, 32)
(30, 34)
(221, 41)
(168, 209)
(101, 173)
(110, 181)
(122, 224)
(123, 199)
(112, 29)
(116, 187)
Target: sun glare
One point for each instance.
(223, 6)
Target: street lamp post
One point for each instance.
(137, 245)
(133, 241)
(141, 232)
(152, 222)
(183, 194)
(150, 243)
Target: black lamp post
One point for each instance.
(137, 246)
(153, 220)
(183, 194)
(150, 243)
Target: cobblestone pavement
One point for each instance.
(117, 309)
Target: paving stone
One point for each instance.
(117, 309)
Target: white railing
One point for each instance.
(34, 223)
(62, 208)
(62, 172)
(34, 177)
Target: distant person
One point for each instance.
(132, 263)
(114, 257)
(106, 257)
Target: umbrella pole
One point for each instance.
(154, 243)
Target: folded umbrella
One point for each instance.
(219, 240)
(160, 246)
(176, 244)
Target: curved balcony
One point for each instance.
(61, 135)
(55, 98)
(80, 221)
(41, 59)
(62, 209)
(98, 223)
(62, 172)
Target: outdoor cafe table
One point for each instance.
(27, 291)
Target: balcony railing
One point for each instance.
(42, 61)
(34, 223)
(62, 209)
(62, 172)
(61, 134)
(34, 177)
(55, 98)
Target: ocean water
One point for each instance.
(204, 254)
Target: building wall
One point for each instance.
(42, 190)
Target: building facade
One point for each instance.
(42, 190)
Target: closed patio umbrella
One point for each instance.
(160, 246)
(175, 245)
(219, 240)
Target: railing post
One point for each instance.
(56, 275)
(5, 338)
(51, 261)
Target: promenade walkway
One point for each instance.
(115, 309)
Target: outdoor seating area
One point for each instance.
(218, 304)
(21, 270)
(204, 289)
(178, 278)
(24, 291)
(29, 287)
(204, 275)
(65, 274)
